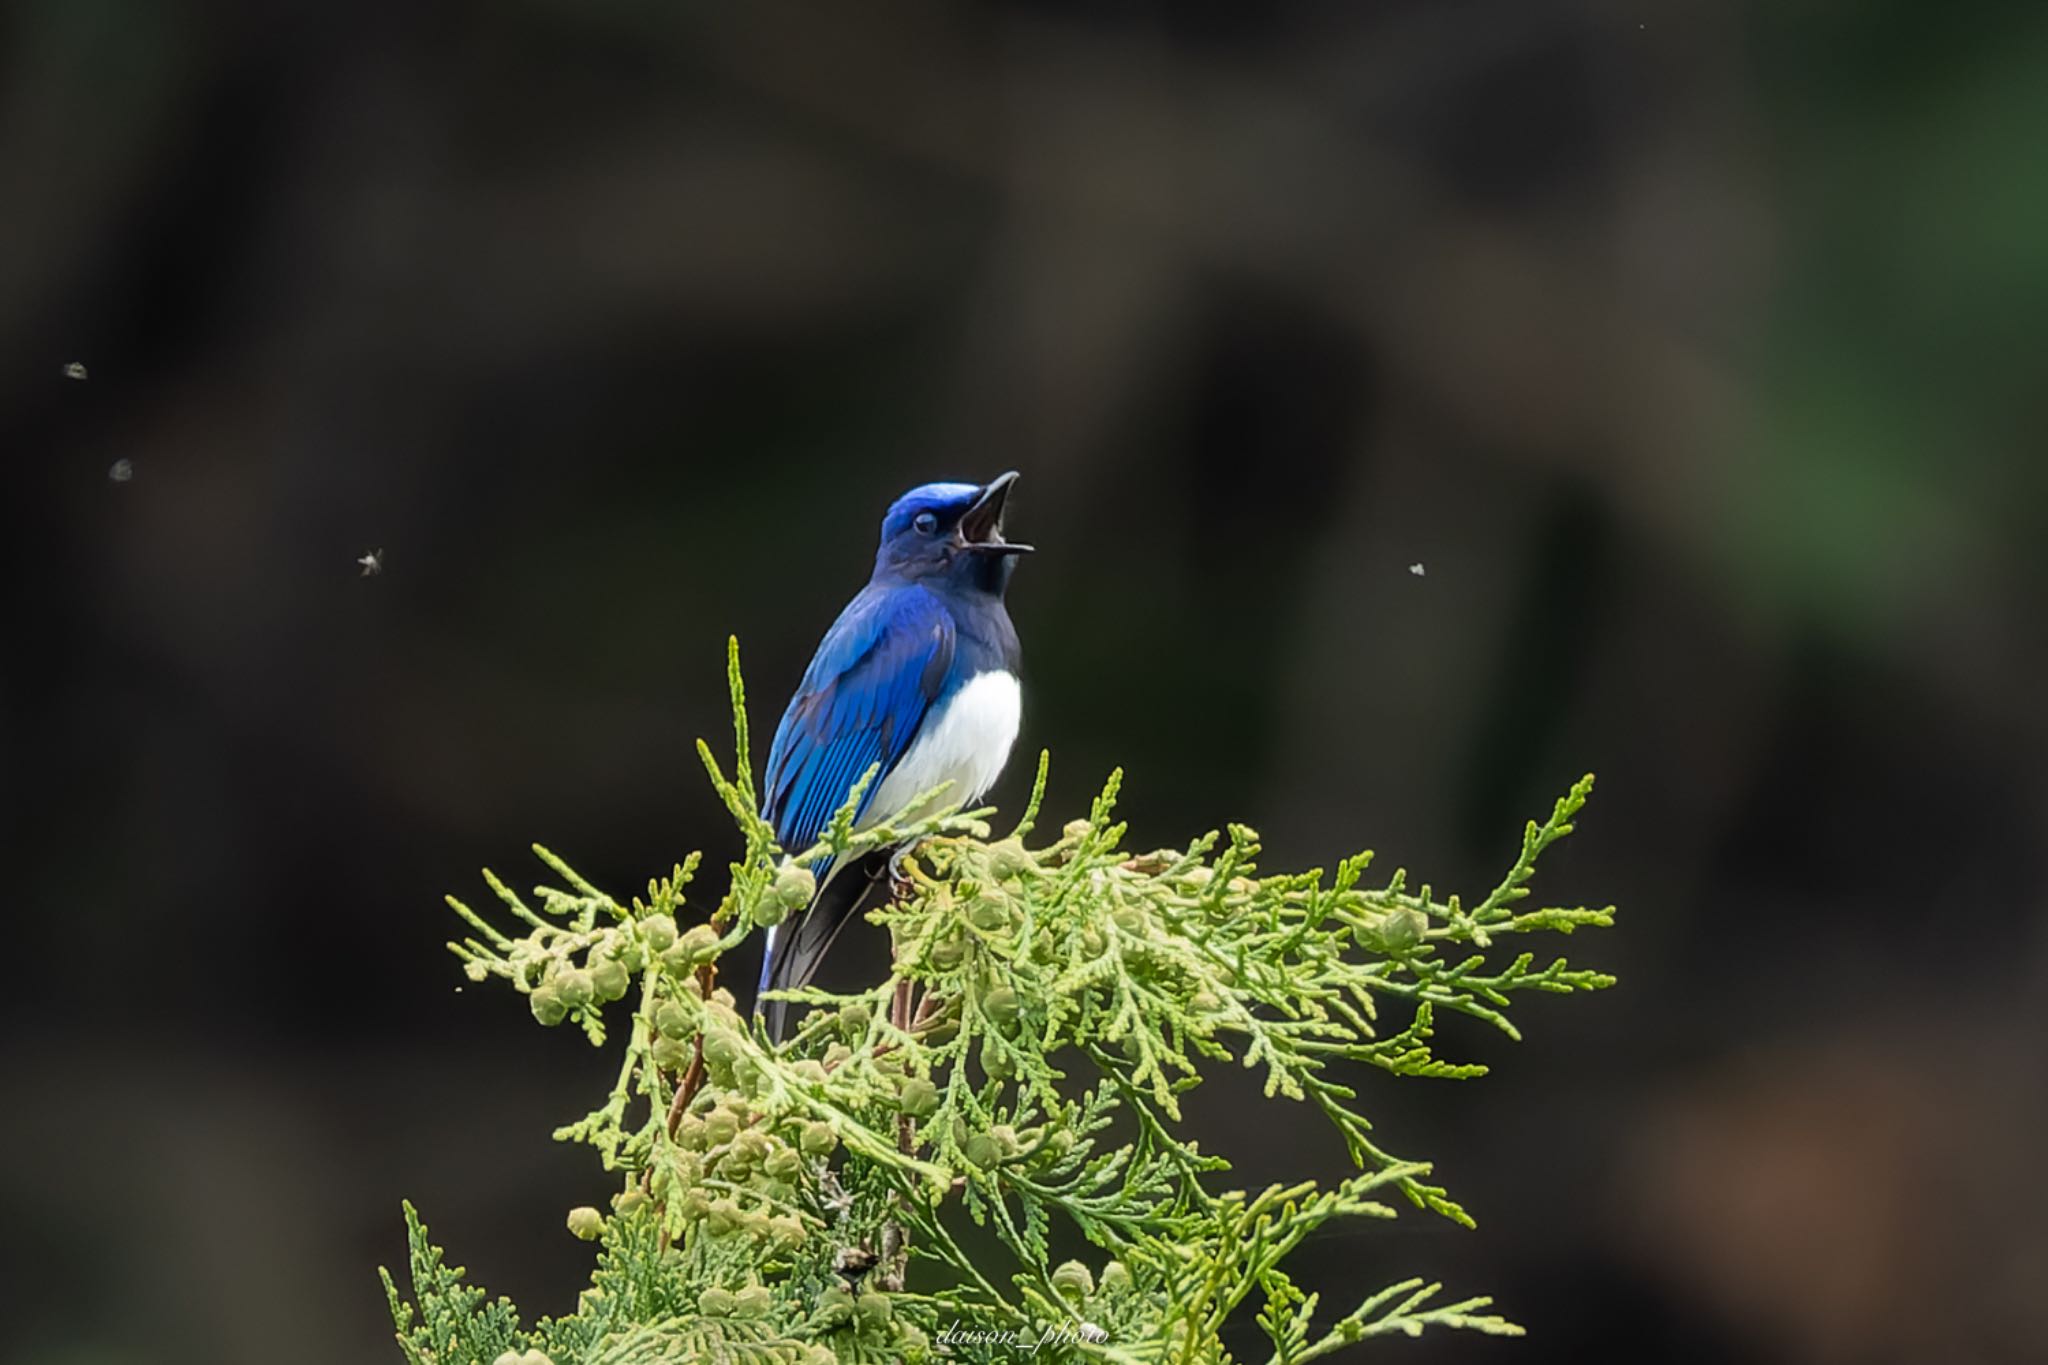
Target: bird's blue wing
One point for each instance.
(875, 675)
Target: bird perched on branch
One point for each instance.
(918, 675)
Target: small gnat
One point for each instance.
(371, 563)
(1417, 570)
(120, 471)
(75, 370)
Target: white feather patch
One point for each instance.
(965, 743)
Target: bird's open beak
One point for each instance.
(981, 526)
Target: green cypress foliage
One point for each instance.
(907, 1176)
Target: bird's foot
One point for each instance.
(900, 884)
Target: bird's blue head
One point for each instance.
(950, 534)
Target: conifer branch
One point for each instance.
(1021, 1069)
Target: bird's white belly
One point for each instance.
(966, 744)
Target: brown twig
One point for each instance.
(900, 1016)
(895, 1240)
(707, 981)
(686, 1089)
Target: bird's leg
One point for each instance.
(900, 884)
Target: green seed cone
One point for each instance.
(575, 987)
(919, 1099)
(794, 887)
(672, 1020)
(722, 1047)
(1008, 859)
(1001, 1006)
(1400, 930)
(700, 944)
(546, 1004)
(989, 915)
(1073, 1280)
(610, 978)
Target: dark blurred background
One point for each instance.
(1694, 350)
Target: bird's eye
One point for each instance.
(926, 523)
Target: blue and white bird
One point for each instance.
(919, 675)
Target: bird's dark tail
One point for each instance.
(801, 943)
